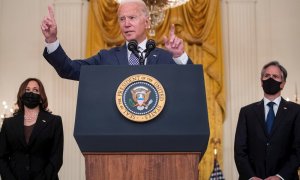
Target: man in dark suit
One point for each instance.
(267, 139)
(133, 18)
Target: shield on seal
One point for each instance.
(140, 96)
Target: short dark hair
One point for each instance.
(22, 90)
(275, 63)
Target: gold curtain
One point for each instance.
(198, 24)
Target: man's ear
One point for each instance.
(282, 85)
(147, 23)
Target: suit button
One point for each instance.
(27, 168)
(268, 144)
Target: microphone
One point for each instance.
(150, 46)
(133, 47)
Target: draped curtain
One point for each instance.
(198, 24)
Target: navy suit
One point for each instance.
(41, 158)
(66, 68)
(262, 155)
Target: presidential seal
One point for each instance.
(140, 98)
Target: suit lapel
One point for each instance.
(41, 123)
(260, 111)
(153, 57)
(122, 56)
(20, 128)
(281, 113)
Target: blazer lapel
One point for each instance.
(122, 56)
(20, 128)
(41, 123)
(260, 111)
(153, 57)
(281, 113)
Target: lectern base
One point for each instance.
(142, 166)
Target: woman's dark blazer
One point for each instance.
(41, 158)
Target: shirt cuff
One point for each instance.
(51, 47)
(279, 176)
(183, 59)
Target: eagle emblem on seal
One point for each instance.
(140, 96)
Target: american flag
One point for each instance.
(217, 172)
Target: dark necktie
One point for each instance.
(133, 60)
(270, 117)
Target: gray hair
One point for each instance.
(144, 9)
(277, 64)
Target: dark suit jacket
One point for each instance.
(259, 154)
(66, 68)
(41, 158)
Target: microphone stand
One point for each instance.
(142, 59)
(150, 46)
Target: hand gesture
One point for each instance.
(174, 44)
(48, 26)
(256, 178)
(273, 178)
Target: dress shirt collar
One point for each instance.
(276, 101)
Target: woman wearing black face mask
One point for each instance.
(31, 142)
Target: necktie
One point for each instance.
(270, 117)
(133, 60)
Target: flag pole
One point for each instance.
(217, 173)
(216, 142)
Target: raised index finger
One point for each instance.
(51, 12)
(172, 31)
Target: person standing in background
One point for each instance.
(31, 142)
(267, 139)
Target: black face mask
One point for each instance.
(271, 86)
(31, 100)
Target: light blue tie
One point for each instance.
(270, 117)
(133, 60)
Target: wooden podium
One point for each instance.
(142, 166)
(169, 147)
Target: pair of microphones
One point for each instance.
(133, 47)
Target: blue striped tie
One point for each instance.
(270, 117)
(133, 60)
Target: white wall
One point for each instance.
(254, 32)
(21, 48)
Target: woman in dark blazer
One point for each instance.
(31, 142)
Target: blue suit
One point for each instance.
(68, 69)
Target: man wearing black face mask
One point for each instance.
(267, 139)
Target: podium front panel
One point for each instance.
(182, 126)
